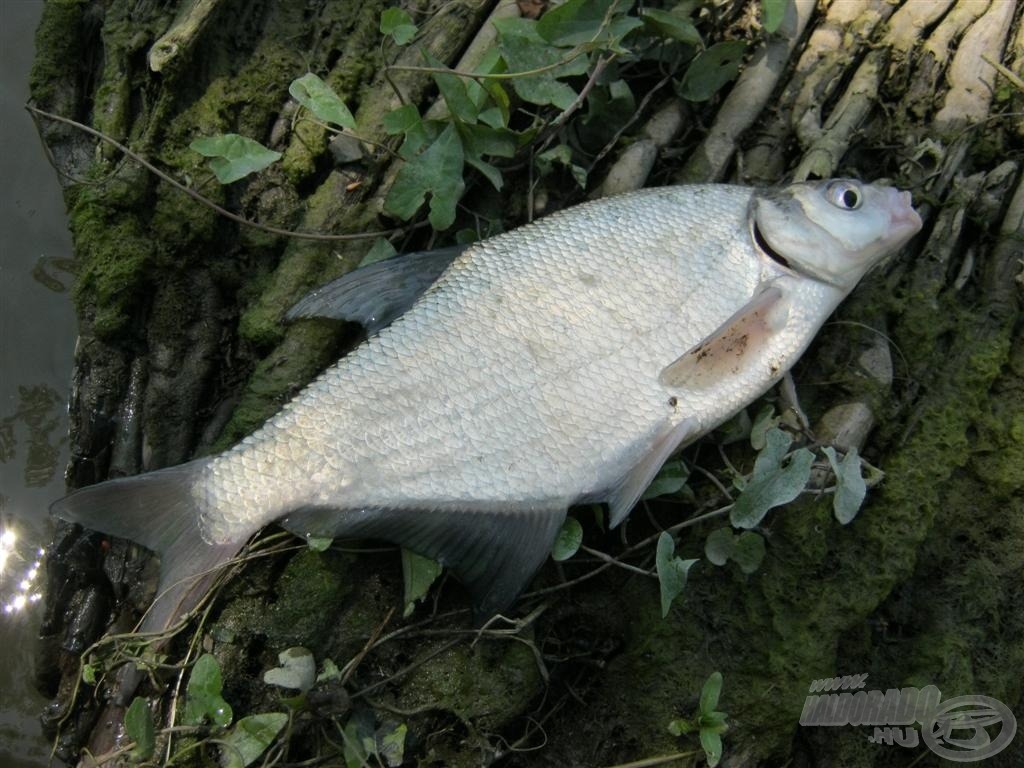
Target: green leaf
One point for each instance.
(671, 25)
(319, 543)
(720, 546)
(712, 69)
(672, 572)
(392, 746)
(850, 486)
(772, 14)
(480, 140)
(525, 52)
(681, 727)
(749, 551)
(380, 250)
(233, 157)
(418, 573)
(561, 155)
(397, 23)
(329, 672)
(401, 120)
(202, 694)
(711, 743)
(671, 478)
(764, 421)
(773, 483)
(710, 692)
(138, 723)
(453, 89)
(89, 674)
(437, 172)
(297, 671)
(316, 96)
(250, 738)
(568, 541)
(581, 21)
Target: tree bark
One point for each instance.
(182, 351)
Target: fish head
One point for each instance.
(833, 230)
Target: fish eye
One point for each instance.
(845, 195)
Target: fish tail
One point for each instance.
(159, 511)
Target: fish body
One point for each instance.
(558, 363)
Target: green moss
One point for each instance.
(308, 594)
(58, 52)
(487, 684)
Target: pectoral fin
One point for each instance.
(626, 494)
(376, 294)
(728, 350)
(494, 553)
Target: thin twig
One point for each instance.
(205, 200)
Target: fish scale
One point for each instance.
(560, 362)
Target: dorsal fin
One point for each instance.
(494, 553)
(376, 294)
(726, 351)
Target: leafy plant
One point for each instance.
(297, 671)
(709, 724)
(746, 550)
(777, 479)
(233, 157)
(418, 573)
(250, 737)
(850, 486)
(203, 698)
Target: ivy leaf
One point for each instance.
(418, 573)
(453, 89)
(672, 572)
(202, 695)
(401, 120)
(233, 157)
(250, 738)
(773, 483)
(524, 50)
(297, 671)
(710, 693)
(568, 541)
(437, 172)
(480, 140)
(318, 97)
(89, 674)
(576, 22)
(380, 250)
(397, 23)
(712, 69)
(850, 486)
(138, 723)
(772, 14)
(671, 25)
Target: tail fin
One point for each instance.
(156, 510)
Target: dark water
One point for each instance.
(37, 334)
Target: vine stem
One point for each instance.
(200, 198)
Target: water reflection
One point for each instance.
(53, 272)
(18, 572)
(39, 412)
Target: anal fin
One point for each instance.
(494, 553)
(626, 494)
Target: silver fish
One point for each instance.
(502, 382)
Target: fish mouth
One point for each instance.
(766, 247)
(902, 216)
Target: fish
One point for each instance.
(560, 363)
